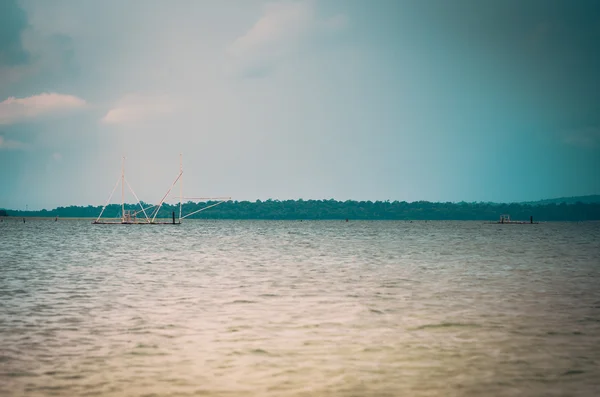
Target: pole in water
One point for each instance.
(173, 217)
(531, 219)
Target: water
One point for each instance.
(263, 308)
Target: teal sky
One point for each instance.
(366, 100)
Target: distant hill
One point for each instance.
(590, 199)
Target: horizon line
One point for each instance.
(330, 199)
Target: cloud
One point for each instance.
(13, 110)
(588, 137)
(57, 156)
(13, 21)
(284, 29)
(11, 145)
(134, 108)
(29, 54)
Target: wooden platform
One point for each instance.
(135, 223)
(513, 223)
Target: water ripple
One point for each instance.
(269, 308)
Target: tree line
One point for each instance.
(350, 209)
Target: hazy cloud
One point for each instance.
(6, 144)
(27, 53)
(284, 28)
(13, 109)
(134, 108)
(588, 137)
(57, 156)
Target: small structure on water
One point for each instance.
(130, 217)
(505, 220)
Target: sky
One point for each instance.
(468, 100)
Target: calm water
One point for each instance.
(259, 308)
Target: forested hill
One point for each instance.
(331, 209)
(593, 198)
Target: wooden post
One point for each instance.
(173, 217)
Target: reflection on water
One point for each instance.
(261, 308)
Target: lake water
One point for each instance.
(313, 308)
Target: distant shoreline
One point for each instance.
(341, 210)
(17, 219)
